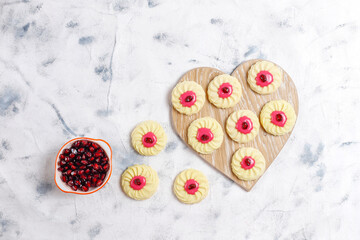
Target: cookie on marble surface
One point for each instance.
(242, 126)
(278, 117)
(248, 164)
(191, 186)
(224, 91)
(148, 138)
(188, 97)
(264, 77)
(139, 182)
(205, 135)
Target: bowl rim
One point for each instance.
(96, 189)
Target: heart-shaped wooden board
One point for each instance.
(269, 145)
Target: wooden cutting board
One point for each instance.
(269, 145)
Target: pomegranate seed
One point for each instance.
(73, 150)
(83, 177)
(81, 150)
(82, 167)
(83, 157)
(98, 154)
(94, 180)
(95, 145)
(105, 159)
(98, 183)
(64, 178)
(81, 172)
(71, 155)
(66, 159)
(62, 156)
(66, 151)
(70, 183)
(96, 175)
(74, 188)
(88, 184)
(68, 172)
(62, 163)
(73, 167)
(102, 176)
(78, 157)
(96, 166)
(77, 183)
(60, 169)
(73, 173)
(78, 163)
(97, 160)
(88, 154)
(84, 188)
(87, 171)
(84, 162)
(91, 159)
(76, 144)
(84, 143)
(106, 167)
(92, 149)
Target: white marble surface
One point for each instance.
(96, 68)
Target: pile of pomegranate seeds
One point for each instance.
(84, 165)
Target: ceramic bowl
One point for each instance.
(63, 186)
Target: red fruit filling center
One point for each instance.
(188, 98)
(191, 186)
(149, 140)
(264, 78)
(204, 135)
(225, 90)
(244, 125)
(138, 182)
(247, 163)
(84, 165)
(278, 118)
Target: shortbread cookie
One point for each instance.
(242, 126)
(278, 117)
(139, 182)
(205, 135)
(191, 186)
(148, 138)
(264, 77)
(248, 164)
(224, 91)
(188, 97)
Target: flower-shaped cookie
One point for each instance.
(139, 182)
(224, 91)
(248, 164)
(264, 77)
(278, 117)
(148, 138)
(242, 126)
(191, 186)
(188, 97)
(205, 135)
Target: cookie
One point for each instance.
(139, 182)
(148, 138)
(191, 186)
(278, 117)
(264, 77)
(242, 126)
(248, 164)
(205, 135)
(188, 97)
(224, 91)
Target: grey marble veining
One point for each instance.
(96, 68)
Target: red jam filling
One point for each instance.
(278, 118)
(247, 163)
(188, 98)
(149, 140)
(264, 78)
(204, 135)
(191, 186)
(225, 90)
(138, 182)
(244, 125)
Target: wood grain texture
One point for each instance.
(269, 145)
